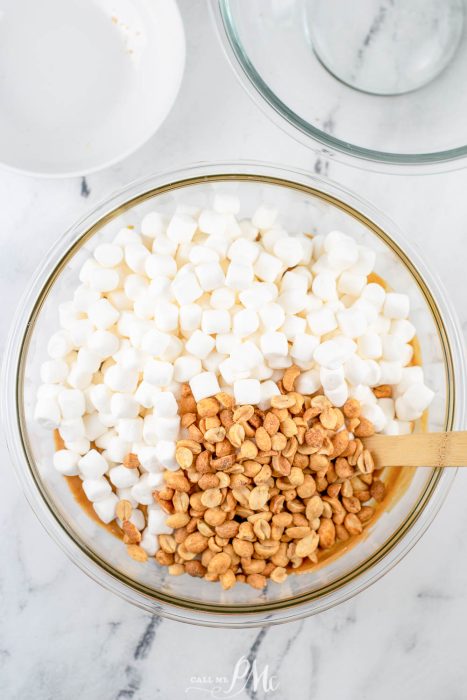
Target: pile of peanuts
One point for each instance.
(261, 493)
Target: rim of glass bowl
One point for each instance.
(187, 610)
(300, 129)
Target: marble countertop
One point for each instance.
(62, 637)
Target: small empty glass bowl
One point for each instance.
(305, 204)
(376, 83)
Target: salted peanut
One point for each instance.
(124, 510)
(258, 497)
(377, 490)
(167, 543)
(215, 516)
(203, 462)
(300, 461)
(363, 496)
(243, 413)
(298, 405)
(278, 574)
(227, 579)
(367, 478)
(364, 429)
(226, 417)
(383, 391)
(318, 462)
(180, 535)
(228, 530)
(219, 563)
(347, 488)
(314, 507)
(282, 401)
(243, 548)
(196, 543)
(177, 481)
(131, 534)
(242, 495)
(137, 553)
(263, 476)
(314, 438)
(249, 429)
(365, 463)
(343, 468)
(308, 488)
(282, 519)
(281, 465)
(327, 533)
(205, 529)
(195, 568)
(262, 529)
(340, 442)
(329, 418)
(207, 408)
(188, 419)
(251, 468)
(222, 463)
(187, 404)
(224, 448)
(211, 498)
(357, 453)
(306, 546)
(352, 504)
(352, 424)
(255, 421)
(176, 569)
(229, 503)
(297, 533)
(278, 441)
(352, 524)
(290, 448)
(365, 514)
(321, 483)
(195, 433)
(341, 533)
(289, 427)
(263, 439)
(236, 434)
(352, 408)
(215, 434)
(276, 504)
(131, 461)
(290, 375)
(208, 481)
(296, 476)
(271, 423)
(256, 581)
(265, 549)
(334, 489)
(225, 400)
(184, 457)
(245, 532)
(248, 450)
(177, 520)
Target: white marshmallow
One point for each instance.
(418, 397)
(93, 426)
(407, 354)
(220, 245)
(226, 342)
(388, 408)
(72, 403)
(212, 223)
(152, 224)
(108, 254)
(54, 371)
(199, 254)
(185, 367)
(339, 395)
(135, 256)
(80, 331)
(203, 385)
(356, 370)
(200, 344)
(243, 251)
(370, 345)
(156, 522)
(59, 345)
(157, 265)
(374, 413)
(106, 509)
(124, 406)
(246, 356)
(80, 446)
(145, 394)
(381, 325)
(245, 323)
(92, 465)
(213, 361)
(409, 376)
(79, 378)
(351, 283)
(268, 389)
(330, 354)
(72, 429)
(322, 321)
(123, 478)
(264, 217)
(165, 453)
(279, 361)
(373, 376)
(239, 276)
(118, 378)
(352, 322)
(405, 411)
(222, 298)
(130, 429)
(391, 372)
(210, 276)
(341, 249)
(324, 286)
(274, 343)
(226, 203)
(117, 449)
(103, 343)
(292, 326)
(165, 404)
(66, 462)
(396, 306)
(304, 346)
(308, 382)
(100, 396)
(272, 316)
(166, 316)
(267, 267)
(331, 378)
(190, 317)
(366, 261)
(158, 373)
(215, 321)
(181, 228)
(149, 543)
(375, 294)
(247, 391)
(289, 250)
(292, 301)
(97, 489)
(292, 279)
(102, 314)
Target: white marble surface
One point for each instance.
(62, 637)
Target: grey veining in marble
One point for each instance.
(62, 637)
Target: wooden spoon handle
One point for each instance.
(419, 450)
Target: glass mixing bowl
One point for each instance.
(305, 203)
(374, 83)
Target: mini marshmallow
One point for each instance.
(165, 453)
(210, 276)
(246, 356)
(108, 254)
(186, 288)
(158, 373)
(103, 343)
(225, 203)
(97, 489)
(123, 478)
(156, 522)
(165, 404)
(330, 354)
(149, 543)
(79, 378)
(243, 251)
(59, 345)
(381, 325)
(289, 250)
(226, 342)
(405, 411)
(245, 323)
(212, 223)
(213, 361)
(409, 376)
(324, 286)
(80, 446)
(118, 378)
(199, 254)
(239, 276)
(341, 249)
(339, 395)
(365, 263)
(54, 371)
(304, 346)
(374, 413)
(181, 228)
(272, 316)
(124, 406)
(279, 361)
(185, 367)
(375, 294)
(403, 329)
(152, 224)
(220, 245)
(117, 449)
(308, 382)
(351, 283)
(190, 317)
(66, 462)
(71, 402)
(292, 279)
(292, 301)
(268, 389)
(106, 509)
(331, 378)
(388, 408)
(158, 264)
(138, 519)
(391, 372)
(396, 306)
(130, 429)
(373, 373)
(204, 385)
(247, 391)
(370, 345)
(264, 217)
(267, 267)
(93, 426)
(407, 355)
(200, 344)
(159, 428)
(274, 343)
(100, 396)
(80, 331)
(88, 360)
(92, 465)
(135, 256)
(102, 314)
(215, 321)
(145, 393)
(292, 326)
(84, 296)
(166, 316)
(418, 397)
(322, 321)
(362, 394)
(352, 322)
(222, 298)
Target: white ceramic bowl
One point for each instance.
(84, 83)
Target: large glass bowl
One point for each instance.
(306, 204)
(322, 69)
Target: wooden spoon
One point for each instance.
(419, 450)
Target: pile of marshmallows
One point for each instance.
(225, 305)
